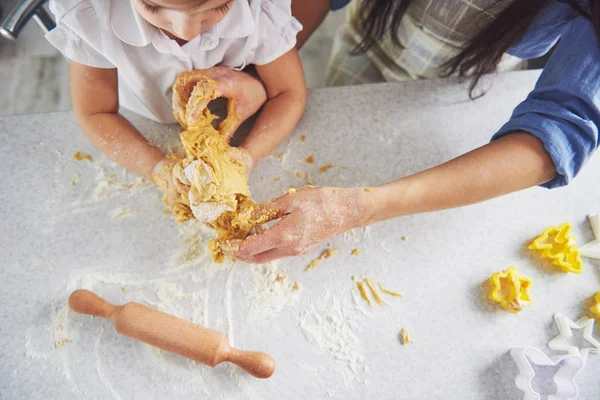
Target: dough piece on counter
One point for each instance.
(363, 292)
(373, 289)
(404, 336)
(325, 168)
(212, 179)
(325, 254)
(78, 156)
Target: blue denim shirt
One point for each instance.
(564, 108)
(338, 4)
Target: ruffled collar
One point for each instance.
(131, 28)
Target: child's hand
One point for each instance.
(247, 90)
(174, 193)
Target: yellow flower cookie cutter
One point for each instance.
(595, 309)
(558, 245)
(510, 290)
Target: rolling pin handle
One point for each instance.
(86, 302)
(260, 365)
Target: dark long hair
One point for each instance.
(482, 53)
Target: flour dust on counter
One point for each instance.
(332, 325)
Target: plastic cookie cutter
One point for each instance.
(570, 365)
(510, 289)
(592, 249)
(595, 309)
(558, 245)
(565, 329)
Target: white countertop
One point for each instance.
(326, 343)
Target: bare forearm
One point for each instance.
(115, 136)
(276, 121)
(512, 163)
(311, 14)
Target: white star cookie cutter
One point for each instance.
(570, 365)
(565, 332)
(592, 249)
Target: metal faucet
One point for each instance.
(18, 17)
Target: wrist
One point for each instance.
(372, 203)
(391, 200)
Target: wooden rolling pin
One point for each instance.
(172, 334)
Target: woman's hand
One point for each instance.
(245, 89)
(308, 217)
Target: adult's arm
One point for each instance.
(548, 139)
(313, 215)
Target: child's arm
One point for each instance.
(286, 99)
(96, 104)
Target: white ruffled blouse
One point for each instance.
(112, 34)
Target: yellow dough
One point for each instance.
(212, 181)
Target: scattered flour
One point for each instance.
(331, 327)
(193, 247)
(124, 212)
(271, 291)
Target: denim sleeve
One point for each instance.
(338, 4)
(563, 110)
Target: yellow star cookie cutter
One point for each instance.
(510, 290)
(558, 245)
(595, 309)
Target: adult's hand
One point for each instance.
(244, 88)
(308, 217)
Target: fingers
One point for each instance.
(272, 210)
(274, 237)
(270, 255)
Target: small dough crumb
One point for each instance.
(123, 289)
(82, 156)
(291, 190)
(325, 254)
(390, 292)
(324, 168)
(376, 120)
(405, 238)
(363, 292)
(369, 190)
(75, 180)
(300, 175)
(374, 291)
(53, 186)
(276, 178)
(280, 278)
(302, 138)
(62, 342)
(279, 155)
(355, 252)
(309, 178)
(404, 336)
(310, 159)
(296, 286)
